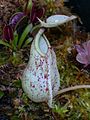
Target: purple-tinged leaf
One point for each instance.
(88, 47)
(82, 58)
(83, 55)
(7, 33)
(21, 25)
(79, 48)
(16, 18)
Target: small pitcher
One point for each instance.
(41, 80)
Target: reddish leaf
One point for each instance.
(7, 33)
(36, 12)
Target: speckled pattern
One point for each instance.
(41, 79)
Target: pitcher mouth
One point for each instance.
(41, 43)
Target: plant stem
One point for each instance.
(73, 88)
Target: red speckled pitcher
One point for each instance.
(41, 80)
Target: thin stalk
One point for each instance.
(73, 88)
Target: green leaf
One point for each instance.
(35, 27)
(1, 94)
(25, 99)
(5, 44)
(15, 117)
(29, 6)
(17, 83)
(27, 42)
(24, 34)
(60, 110)
(15, 41)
